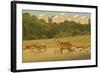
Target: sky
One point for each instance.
(54, 13)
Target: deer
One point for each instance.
(36, 47)
(42, 47)
(64, 45)
(82, 48)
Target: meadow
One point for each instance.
(52, 52)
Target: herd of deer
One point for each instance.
(61, 45)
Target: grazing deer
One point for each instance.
(36, 47)
(64, 45)
(81, 48)
(42, 47)
(27, 47)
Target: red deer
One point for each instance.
(64, 45)
(36, 47)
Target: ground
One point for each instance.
(53, 53)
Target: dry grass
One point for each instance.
(53, 53)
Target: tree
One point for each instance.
(34, 28)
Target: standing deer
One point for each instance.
(64, 45)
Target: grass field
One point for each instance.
(52, 53)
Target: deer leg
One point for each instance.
(69, 50)
(61, 51)
(45, 49)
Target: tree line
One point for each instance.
(34, 28)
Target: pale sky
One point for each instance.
(54, 13)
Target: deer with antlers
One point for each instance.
(64, 45)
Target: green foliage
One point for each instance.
(33, 28)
